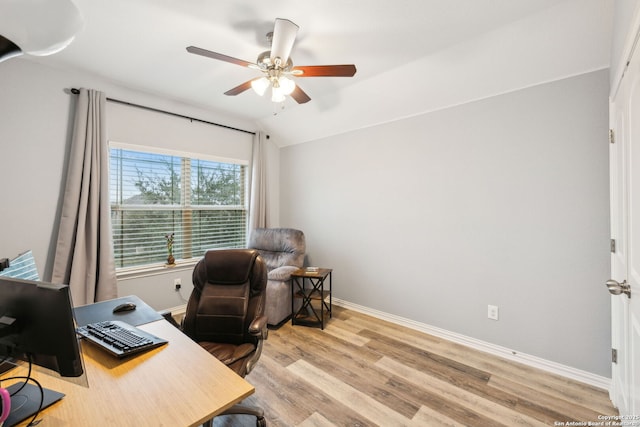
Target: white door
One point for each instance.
(619, 305)
(625, 229)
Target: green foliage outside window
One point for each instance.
(202, 202)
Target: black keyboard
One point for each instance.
(119, 338)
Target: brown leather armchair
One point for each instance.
(225, 312)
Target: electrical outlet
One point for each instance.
(492, 312)
(177, 283)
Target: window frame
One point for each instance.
(154, 268)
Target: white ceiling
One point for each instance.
(412, 56)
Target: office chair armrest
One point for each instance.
(258, 328)
(169, 318)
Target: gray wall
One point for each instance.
(502, 201)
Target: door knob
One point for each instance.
(617, 288)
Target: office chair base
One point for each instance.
(243, 410)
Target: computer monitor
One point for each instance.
(37, 325)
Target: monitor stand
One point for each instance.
(27, 402)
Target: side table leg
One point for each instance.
(330, 296)
(322, 304)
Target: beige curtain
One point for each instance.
(84, 252)
(258, 202)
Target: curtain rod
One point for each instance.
(77, 91)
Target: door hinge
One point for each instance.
(614, 355)
(612, 136)
(612, 246)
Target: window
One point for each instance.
(202, 201)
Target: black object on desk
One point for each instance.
(31, 401)
(101, 311)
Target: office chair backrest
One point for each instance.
(229, 292)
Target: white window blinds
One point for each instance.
(202, 201)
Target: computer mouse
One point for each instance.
(125, 306)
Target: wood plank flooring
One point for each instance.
(362, 371)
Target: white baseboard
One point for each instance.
(526, 359)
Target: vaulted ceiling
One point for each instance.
(412, 56)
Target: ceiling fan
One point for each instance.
(277, 67)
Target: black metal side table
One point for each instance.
(314, 298)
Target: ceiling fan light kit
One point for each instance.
(260, 85)
(277, 67)
(274, 76)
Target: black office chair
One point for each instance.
(225, 312)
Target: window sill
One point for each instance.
(128, 273)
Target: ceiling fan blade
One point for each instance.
(284, 35)
(300, 96)
(347, 70)
(219, 56)
(239, 89)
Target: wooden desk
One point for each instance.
(178, 384)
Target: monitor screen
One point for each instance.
(37, 324)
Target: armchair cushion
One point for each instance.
(279, 246)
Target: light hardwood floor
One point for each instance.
(362, 371)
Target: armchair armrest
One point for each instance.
(282, 273)
(258, 328)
